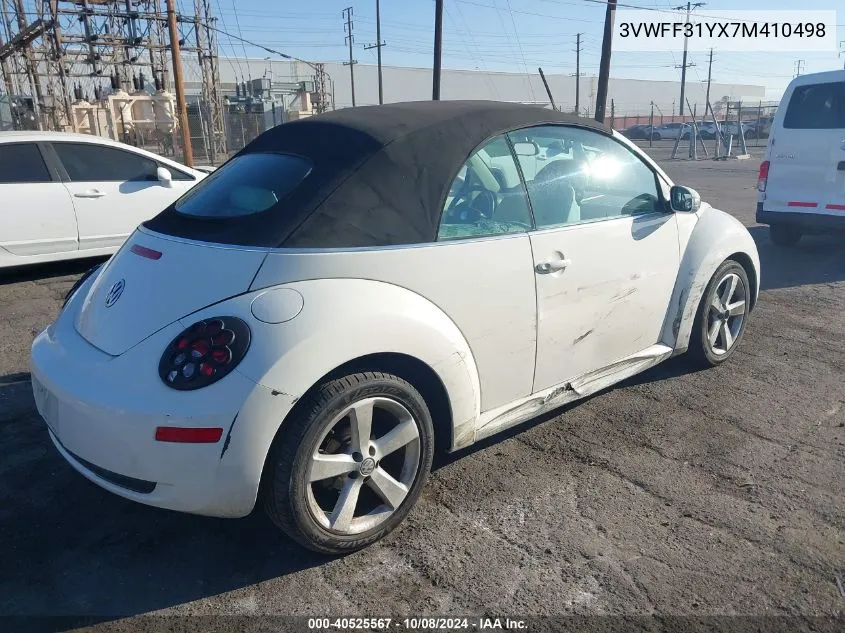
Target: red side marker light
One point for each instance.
(143, 251)
(188, 435)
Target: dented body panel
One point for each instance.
(712, 236)
(609, 301)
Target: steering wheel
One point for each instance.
(468, 209)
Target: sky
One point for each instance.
(499, 35)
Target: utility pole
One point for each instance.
(347, 27)
(709, 75)
(798, 64)
(684, 64)
(604, 67)
(577, 72)
(438, 48)
(180, 85)
(378, 46)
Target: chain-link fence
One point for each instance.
(753, 119)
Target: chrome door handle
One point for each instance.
(556, 265)
(91, 193)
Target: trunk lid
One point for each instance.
(153, 280)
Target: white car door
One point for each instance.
(114, 190)
(36, 213)
(605, 265)
(480, 273)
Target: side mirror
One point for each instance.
(684, 199)
(523, 148)
(164, 176)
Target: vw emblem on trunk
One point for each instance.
(114, 292)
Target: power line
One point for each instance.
(238, 24)
(521, 52)
(472, 39)
(231, 44)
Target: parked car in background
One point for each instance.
(66, 196)
(641, 132)
(802, 179)
(706, 130)
(731, 128)
(305, 326)
(671, 130)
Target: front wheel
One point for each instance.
(350, 465)
(784, 234)
(720, 321)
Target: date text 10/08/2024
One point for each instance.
(417, 624)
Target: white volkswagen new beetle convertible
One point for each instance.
(306, 324)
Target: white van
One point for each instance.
(802, 179)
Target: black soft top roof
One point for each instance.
(380, 174)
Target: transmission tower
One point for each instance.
(57, 52)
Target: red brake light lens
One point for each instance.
(204, 353)
(763, 176)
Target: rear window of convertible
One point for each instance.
(248, 184)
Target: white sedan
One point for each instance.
(65, 196)
(352, 291)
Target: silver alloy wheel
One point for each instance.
(726, 314)
(350, 462)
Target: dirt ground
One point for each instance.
(714, 493)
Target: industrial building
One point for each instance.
(629, 96)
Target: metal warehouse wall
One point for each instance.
(631, 96)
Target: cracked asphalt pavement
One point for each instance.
(678, 493)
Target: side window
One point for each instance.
(487, 196)
(87, 162)
(817, 107)
(576, 175)
(22, 163)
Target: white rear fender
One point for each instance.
(715, 237)
(342, 320)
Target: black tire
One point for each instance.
(656, 137)
(285, 487)
(700, 350)
(784, 234)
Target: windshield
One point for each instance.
(248, 184)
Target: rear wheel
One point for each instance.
(349, 467)
(784, 234)
(720, 321)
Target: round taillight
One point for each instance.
(204, 353)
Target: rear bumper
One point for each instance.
(809, 222)
(102, 412)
